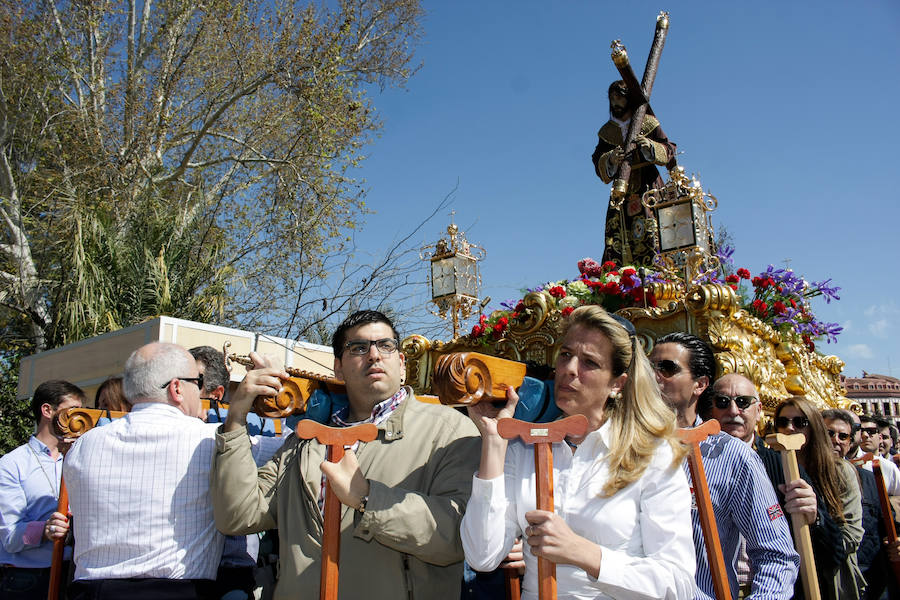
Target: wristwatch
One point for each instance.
(362, 505)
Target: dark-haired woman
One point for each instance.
(834, 480)
(621, 526)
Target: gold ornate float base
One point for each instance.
(743, 344)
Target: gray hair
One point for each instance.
(151, 366)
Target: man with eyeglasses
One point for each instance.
(404, 493)
(743, 500)
(870, 440)
(139, 488)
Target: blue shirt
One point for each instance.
(29, 484)
(745, 504)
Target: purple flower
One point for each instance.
(725, 254)
(830, 293)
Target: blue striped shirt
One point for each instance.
(745, 504)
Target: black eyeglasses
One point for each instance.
(198, 380)
(870, 431)
(667, 368)
(723, 401)
(797, 422)
(361, 347)
(841, 435)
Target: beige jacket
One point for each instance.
(407, 543)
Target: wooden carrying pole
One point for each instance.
(692, 437)
(334, 438)
(59, 546)
(542, 436)
(788, 445)
(886, 516)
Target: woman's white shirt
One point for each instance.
(644, 530)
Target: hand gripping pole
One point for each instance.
(334, 438)
(542, 436)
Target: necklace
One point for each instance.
(44, 471)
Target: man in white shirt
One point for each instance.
(139, 488)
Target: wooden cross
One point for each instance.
(692, 437)
(620, 58)
(542, 436)
(334, 438)
(787, 446)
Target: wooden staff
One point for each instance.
(513, 584)
(886, 516)
(543, 435)
(788, 445)
(334, 438)
(692, 438)
(59, 545)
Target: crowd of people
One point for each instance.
(163, 504)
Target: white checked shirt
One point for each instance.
(889, 471)
(139, 493)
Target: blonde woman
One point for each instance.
(621, 526)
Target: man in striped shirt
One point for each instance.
(743, 499)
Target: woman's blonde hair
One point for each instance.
(639, 419)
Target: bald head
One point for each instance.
(731, 391)
(162, 372)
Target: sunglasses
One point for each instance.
(870, 431)
(797, 422)
(841, 435)
(723, 401)
(667, 368)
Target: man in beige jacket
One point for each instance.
(404, 493)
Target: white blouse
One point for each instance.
(644, 530)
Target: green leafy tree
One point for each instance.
(190, 158)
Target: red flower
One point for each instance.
(743, 273)
(628, 272)
(793, 302)
(609, 265)
(558, 291)
(477, 331)
(611, 288)
(481, 320)
(779, 307)
(497, 330)
(567, 311)
(520, 307)
(503, 321)
(615, 273)
(757, 282)
(779, 288)
(733, 286)
(732, 279)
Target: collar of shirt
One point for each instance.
(379, 415)
(41, 448)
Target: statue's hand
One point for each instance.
(617, 156)
(643, 143)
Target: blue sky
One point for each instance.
(784, 110)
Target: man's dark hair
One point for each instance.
(838, 414)
(360, 317)
(880, 422)
(701, 360)
(53, 392)
(215, 373)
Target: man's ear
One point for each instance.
(700, 385)
(218, 393)
(47, 410)
(338, 370)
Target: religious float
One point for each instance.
(761, 326)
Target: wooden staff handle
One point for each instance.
(692, 438)
(886, 516)
(59, 546)
(334, 438)
(512, 584)
(788, 445)
(464, 378)
(542, 436)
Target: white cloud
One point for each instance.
(886, 309)
(848, 326)
(880, 328)
(860, 351)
